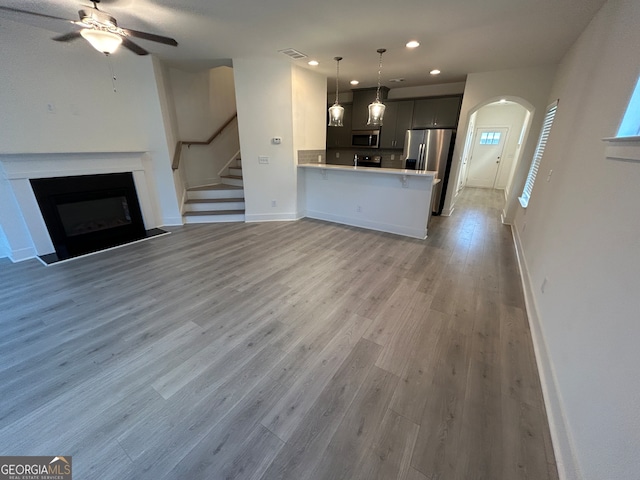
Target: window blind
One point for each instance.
(537, 156)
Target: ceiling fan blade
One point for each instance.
(126, 43)
(17, 10)
(67, 37)
(151, 37)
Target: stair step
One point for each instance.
(234, 180)
(215, 212)
(214, 200)
(217, 191)
(214, 204)
(214, 216)
(235, 171)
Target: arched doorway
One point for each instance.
(493, 145)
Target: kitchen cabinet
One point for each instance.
(340, 137)
(397, 120)
(441, 112)
(361, 100)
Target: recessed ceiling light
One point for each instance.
(435, 72)
(503, 100)
(354, 82)
(413, 44)
(313, 63)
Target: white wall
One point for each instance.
(511, 116)
(581, 231)
(59, 98)
(528, 86)
(204, 101)
(271, 94)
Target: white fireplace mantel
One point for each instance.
(24, 223)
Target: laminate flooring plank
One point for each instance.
(221, 445)
(394, 356)
(286, 415)
(416, 382)
(253, 457)
(523, 450)
(158, 439)
(226, 354)
(359, 428)
(389, 456)
(519, 373)
(437, 448)
(385, 323)
(304, 450)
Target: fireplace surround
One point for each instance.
(87, 213)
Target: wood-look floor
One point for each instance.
(299, 350)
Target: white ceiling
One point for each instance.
(456, 36)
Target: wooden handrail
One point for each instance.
(178, 151)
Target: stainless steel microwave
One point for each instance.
(365, 138)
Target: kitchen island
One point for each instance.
(385, 199)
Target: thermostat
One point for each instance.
(276, 140)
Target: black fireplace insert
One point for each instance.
(88, 213)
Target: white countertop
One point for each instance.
(386, 171)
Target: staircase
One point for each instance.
(222, 202)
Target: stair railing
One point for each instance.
(177, 154)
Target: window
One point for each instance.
(537, 156)
(630, 126)
(490, 138)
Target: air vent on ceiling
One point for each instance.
(293, 53)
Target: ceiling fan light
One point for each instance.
(104, 42)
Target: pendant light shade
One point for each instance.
(336, 111)
(103, 41)
(376, 108)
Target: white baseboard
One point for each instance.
(270, 217)
(568, 468)
(22, 254)
(172, 221)
(447, 212)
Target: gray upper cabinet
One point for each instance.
(441, 112)
(397, 120)
(340, 137)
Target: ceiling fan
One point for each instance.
(101, 30)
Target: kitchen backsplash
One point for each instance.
(346, 156)
(311, 156)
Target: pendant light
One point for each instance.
(376, 108)
(336, 111)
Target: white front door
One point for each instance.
(486, 156)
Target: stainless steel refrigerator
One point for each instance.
(431, 150)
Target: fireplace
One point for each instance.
(88, 213)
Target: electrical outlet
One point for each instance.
(337, 154)
(262, 159)
(276, 140)
(393, 157)
(549, 176)
(51, 108)
(359, 209)
(274, 203)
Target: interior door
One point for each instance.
(486, 156)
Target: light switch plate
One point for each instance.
(263, 159)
